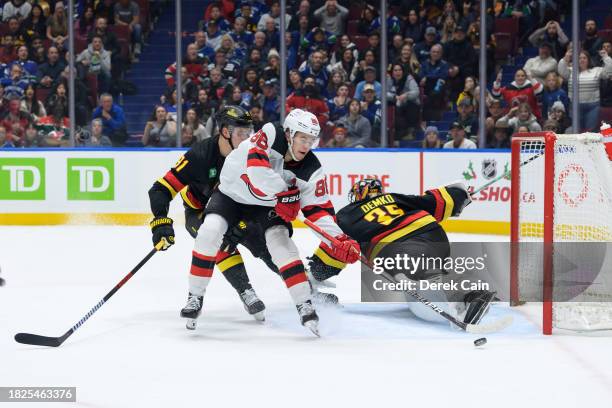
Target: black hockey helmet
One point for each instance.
(369, 187)
(234, 116)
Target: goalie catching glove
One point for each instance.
(288, 204)
(345, 249)
(162, 230)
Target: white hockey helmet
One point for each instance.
(299, 120)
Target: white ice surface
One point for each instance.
(136, 352)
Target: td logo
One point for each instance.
(22, 179)
(91, 179)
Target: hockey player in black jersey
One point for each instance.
(194, 177)
(388, 223)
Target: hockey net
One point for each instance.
(561, 229)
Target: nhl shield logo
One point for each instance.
(489, 168)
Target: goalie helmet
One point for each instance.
(365, 188)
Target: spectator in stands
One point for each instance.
(15, 31)
(29, 67)
(338, 105)
(19, 9)
(273, 69)
(519, 116)
(192, 62)
(250, 15)
(303, 10)
(344, 43)
(160, 130)
(403, 93)
(96, 61)
(553, 93)
(8, 51)
(259, 43)
(204, 107)
(15, 121)
(215, 14)
(93, 137)
(309, 99)
(58, 97)
(448, 28)
(57, 26)
(106, 10)
(50, 71)
(434, 73)
(413, 29)
(304, 27)
(368, 15)
(359, 128)
(373, 46)
(85, 23)
(254, 60)
(193, 122)
(347, 63)
(337, 79)
(241, 36)
(501, 136)
(466, 118)
(271, 102)
(229, 70)
(213, 34)
(318, 40)
(588, 82)
(458, 139)
(332, 17)
(339, 137)
(232, 95)
(462, 59)
(37, 52)
(3, 101)
(315, 67)
(371, 106)
(558, 113)
(538, 67)
(520, 90)
(432, 138)
(54, 129)
(292, 50)
(592, 42)
(257, 115)
(127, 13)
(15, 85)
(187, 137)
(202, 48)
(31, 105)
(408, 60)
(214, 85)
(551, 125)
(552, 34)
(35, 25)
(522, 10)
(274, 13)
(113, 119)
(170, 102)
(469, 91)
(31, 137)
(109, 39)
(369, 60)
(250, 82)
(5, 141)
(495, 112)
(421, 49)
(272, 34)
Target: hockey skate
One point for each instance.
(253, 305)
(477, 303)
(192, 310)
(308, 317)
(319, 297)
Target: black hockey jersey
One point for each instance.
(194, 175)
(394, 217)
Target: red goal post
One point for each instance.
(561, 195)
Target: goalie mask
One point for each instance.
(366, 188)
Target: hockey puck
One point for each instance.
(480, 342)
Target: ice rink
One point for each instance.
(136, 352)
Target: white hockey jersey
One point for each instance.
(256, 171)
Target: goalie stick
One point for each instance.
(492, 327)
(36, 340)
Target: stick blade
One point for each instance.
(36, 340)
(492, 327)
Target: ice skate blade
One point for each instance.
(313, 326)
(191, 324)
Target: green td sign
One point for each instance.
(22, 178)
(91, 179)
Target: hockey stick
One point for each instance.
(36, 340)
(469, 328)
(506, 173)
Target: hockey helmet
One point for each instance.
(299, 120)
(365, 188)
(232, 117)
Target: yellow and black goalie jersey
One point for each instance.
(395, 217)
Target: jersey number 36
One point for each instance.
(384, 215)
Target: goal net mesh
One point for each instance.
(581, 217)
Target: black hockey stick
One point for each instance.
(467, 327)
(36, 340)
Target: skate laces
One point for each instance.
(305, 308)
(193, 302)
(249, 297)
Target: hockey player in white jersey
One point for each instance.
(268, 180)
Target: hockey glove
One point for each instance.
(461, 186)
(193, 220)
(233, 237)
(162, 232)
(288, 204)
(345, 249)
